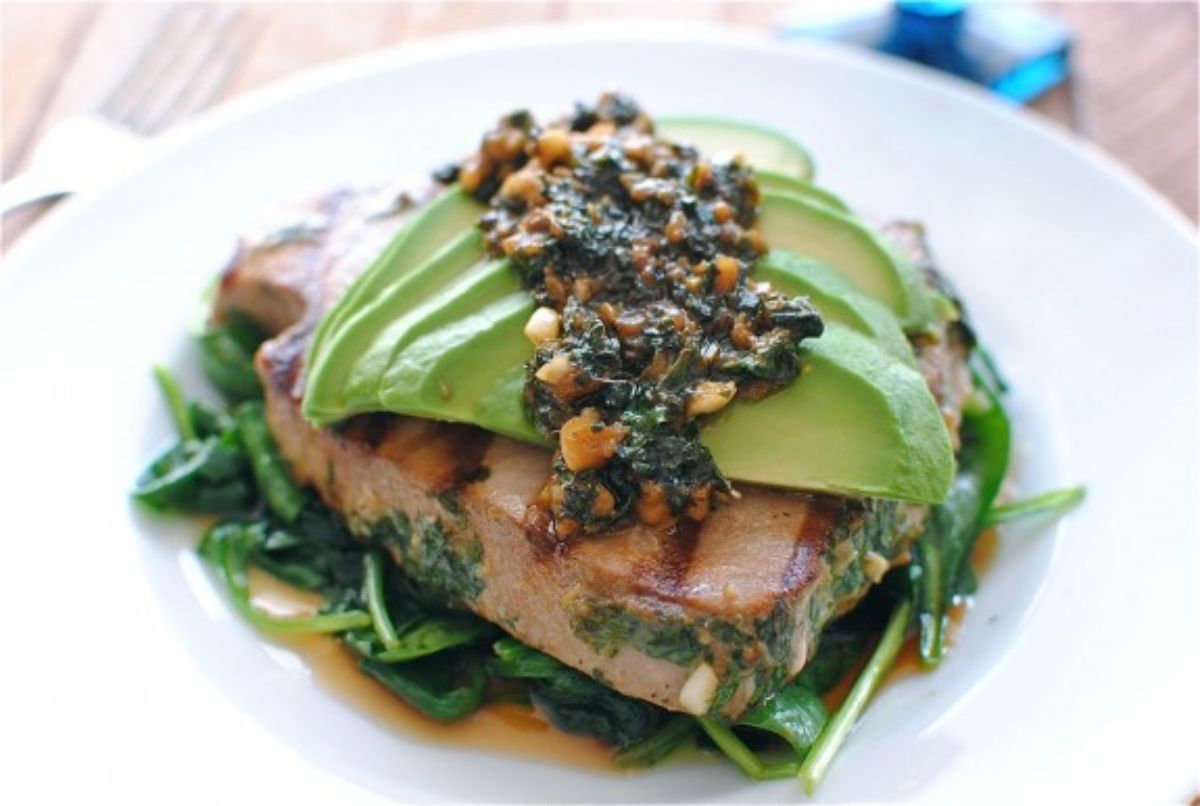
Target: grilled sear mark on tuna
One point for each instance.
(745, 593)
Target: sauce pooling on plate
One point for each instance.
(506, 727)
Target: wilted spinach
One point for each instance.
(647, 752)
(205, 471)
(794, 713)
(281, 494)
(227, 357)
(573, 701)
(443, 688)
(444, 663)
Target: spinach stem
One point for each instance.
(231, 566)
(376, 602)
(322, 623)
(1056, 502)
(834, 734)
(931, 617)
(745, 759)
(430, 635)
(176, 402)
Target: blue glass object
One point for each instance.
(930, 33)
(1016, 51)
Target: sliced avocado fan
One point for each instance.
(435, 328)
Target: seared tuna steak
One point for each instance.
(696, 618)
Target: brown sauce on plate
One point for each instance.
(508, 728)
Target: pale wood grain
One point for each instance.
(1134, 93)
(1135, 89)
(36, 46)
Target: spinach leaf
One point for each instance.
(654, 748)
(208, 421)
(742, 756)
(208, 476)
(794, 713)
(987, 441)
(1054, 502)
(420, 634)
(227, 357)
(838, 727)
(574, 702)
(937, 559)
(516, 660)
(434, 634)
(381, 619)
(176, 403)
(229, 547)
(321, 562)
(282, 495)
(206, 471)
(841, 645)
(443, 691)
(940, 554)
(835, 731)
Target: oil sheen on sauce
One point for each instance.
(505, 728)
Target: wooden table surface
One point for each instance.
(1134, 92)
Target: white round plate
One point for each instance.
(125, 673)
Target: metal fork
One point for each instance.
(195, 49)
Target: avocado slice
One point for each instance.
(764, 148)
(385, 364)
(428, 232)
(362, 330)
(783, 183)
(857, 422)
(836, 298)
(470, 370)
(800, 225)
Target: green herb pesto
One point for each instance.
(393, 531)
(762, 647)
(441, 566)
(637, 250)
(607, 627)
(884, 528)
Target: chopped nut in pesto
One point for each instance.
(638, 252)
